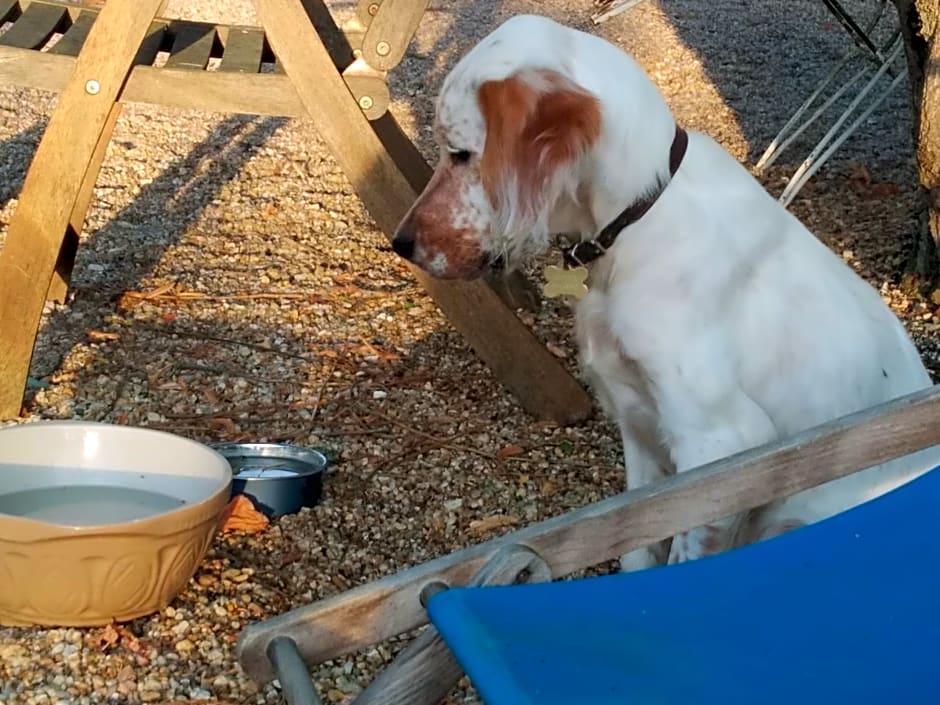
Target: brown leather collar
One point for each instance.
(585, 252)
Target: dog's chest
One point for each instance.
(620, 380)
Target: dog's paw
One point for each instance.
(641, 559)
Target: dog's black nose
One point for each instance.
(404, 244)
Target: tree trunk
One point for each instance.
(920, 26)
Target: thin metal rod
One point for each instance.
(856, 32)
(815, 160)
(775, 148)
(797, 183)
(292, 672)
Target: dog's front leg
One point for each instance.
(642, 467)
(739, 432)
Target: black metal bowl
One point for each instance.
(279, 477)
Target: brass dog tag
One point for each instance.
(565, 282)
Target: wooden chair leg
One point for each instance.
(426, 671)
(515, 290)
(58, 287)
(598, 532)
(54, 182)
(542, 385)
(64, 264)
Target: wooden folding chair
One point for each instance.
(105, 58)
(494, 655)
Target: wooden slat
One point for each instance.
(213, 91)
(516, 357)
(35, 26)
(53, 183)
(366, 10)
(71, 42)
(58, 287)
(607, 529)
(243, 51)
(150, 46)
(9, 10)
(390, 32)
(192, 45)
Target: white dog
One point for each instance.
(713, 322)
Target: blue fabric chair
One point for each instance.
(846, 610)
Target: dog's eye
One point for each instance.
(459, 156)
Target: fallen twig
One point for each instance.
(169, 330)
(438, 442)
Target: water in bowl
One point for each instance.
(86, 505)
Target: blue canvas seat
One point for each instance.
(844, 611)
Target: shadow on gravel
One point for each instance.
(765, 59)
(126, 249)
(15, 153)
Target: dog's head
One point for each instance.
(513, 128)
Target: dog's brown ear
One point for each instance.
(536, 124)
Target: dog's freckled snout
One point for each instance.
(404, 244)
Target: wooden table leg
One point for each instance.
(54, 181)
(542, 385)
(58, 287)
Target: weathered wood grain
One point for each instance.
(71, 42)
(53, 182)
(212, 91)
(608, 529)
(476, 309)
(390, 32)
(9, 10)
(65, 263)
(192, 45)
(243, 51)
(36, 26)
(426, 671)
(542, 385)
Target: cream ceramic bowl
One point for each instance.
(101, 522)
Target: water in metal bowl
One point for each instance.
(280, 478)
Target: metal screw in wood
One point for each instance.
(383, 48)
(92, 87)
(366, 102)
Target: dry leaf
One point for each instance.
(241, 515)
(106, 638)
(509, 452)
(859, 174)
(223, 425)
(497, 521)
(100, 336)
(337, 697)
(861, 181)
(129, 299)
(128, 640)
(290, 557)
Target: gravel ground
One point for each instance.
(231, 286)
